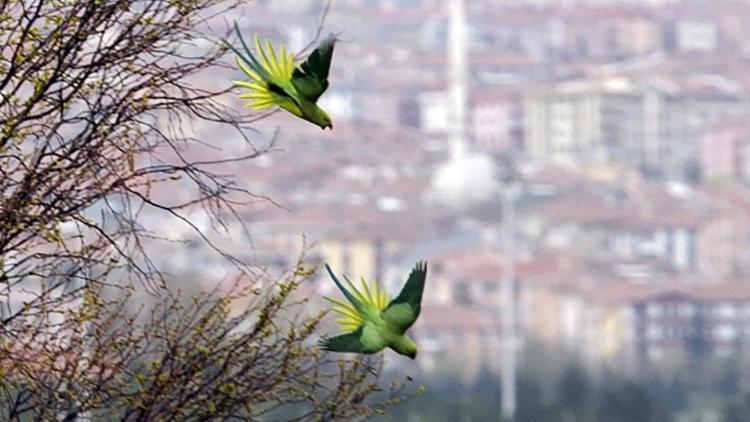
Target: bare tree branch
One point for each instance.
(104, 111)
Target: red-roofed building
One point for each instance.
(633, 325)
(611, 31)
(685, 229)
(497, 119)
(725, 153)
(456, 338)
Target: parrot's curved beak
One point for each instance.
(328, 126)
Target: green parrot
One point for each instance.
(374, 323)
(275, 80)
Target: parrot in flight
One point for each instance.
(275, 80)
(372, 321)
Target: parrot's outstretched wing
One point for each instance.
(270, 73)
(404, 309)
(276, 67)
(354, 300)
(360, 304)
(364, 340)
(343, 343)
(310, 78)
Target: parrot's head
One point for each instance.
(405, 346)
(411, 352)
(325, 121)
(317, 115)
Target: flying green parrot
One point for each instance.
(374, 323)
(275, 80)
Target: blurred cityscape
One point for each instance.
(625, 126)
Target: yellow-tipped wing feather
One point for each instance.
(274, 79)
(372, 294)
(278, 67)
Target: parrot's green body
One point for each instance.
(275, 80)
(373, 322)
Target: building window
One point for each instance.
(725, 310)
(461, 293)
(490, 287)
(458, 336)
(654, 332)
(379, 259)
(655, 352)
(725, 332)
(686, 310)
(655, 310)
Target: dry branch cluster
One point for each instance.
(184, 361)
(97, 103)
